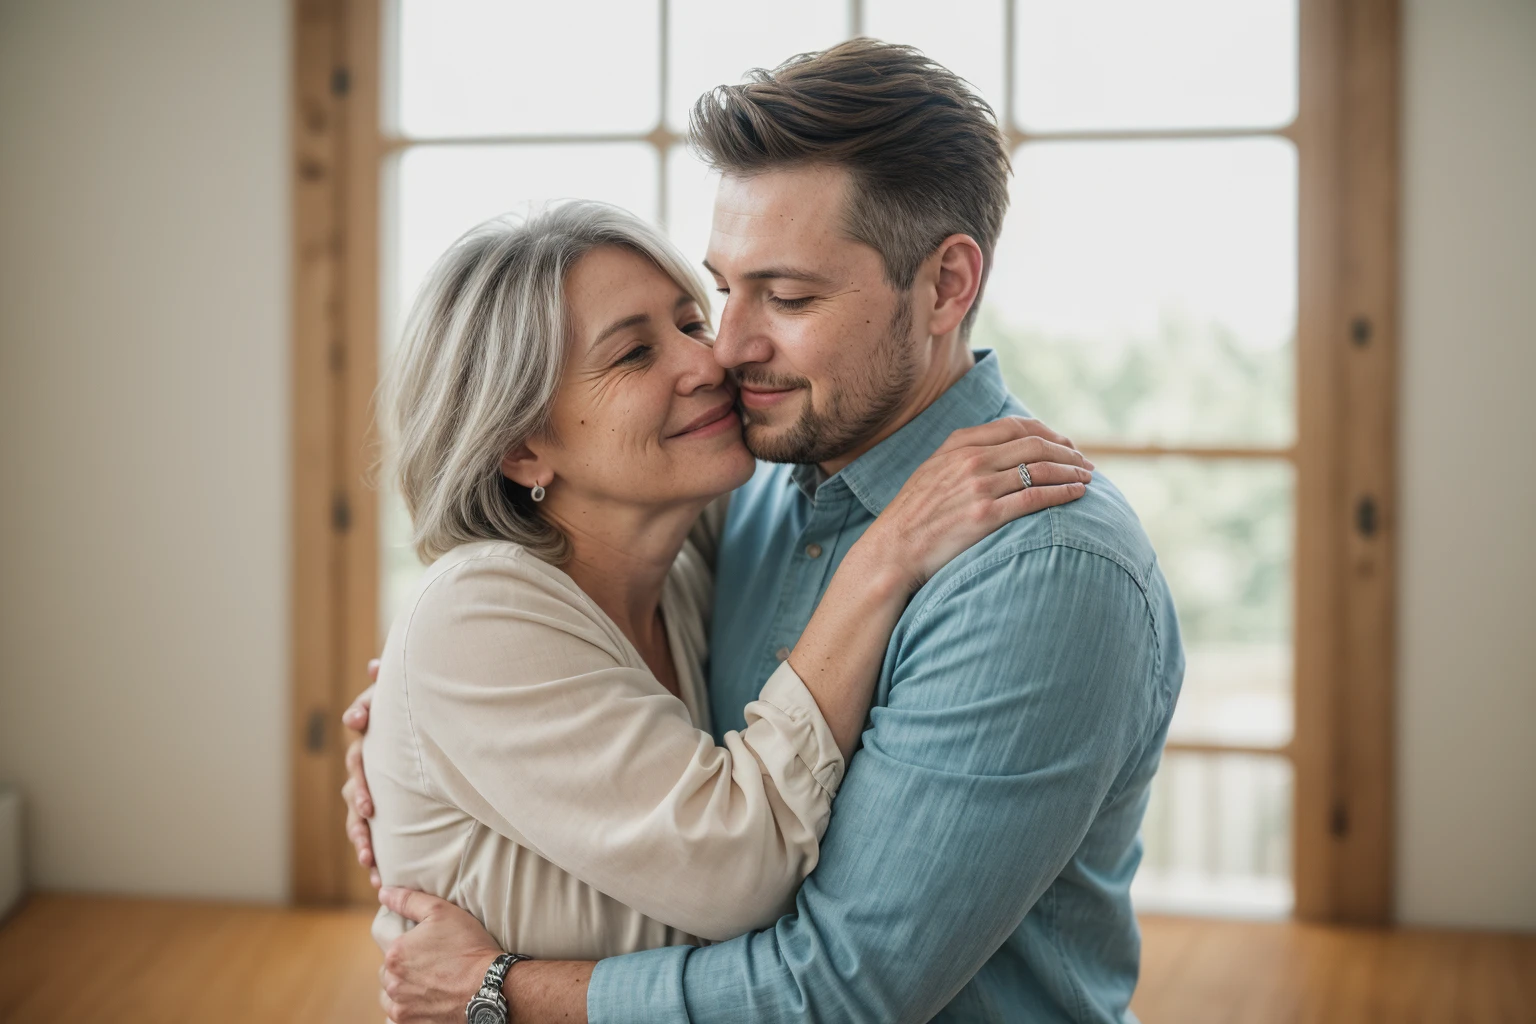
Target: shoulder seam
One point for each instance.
(1009, 551)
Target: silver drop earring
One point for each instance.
(537, 494)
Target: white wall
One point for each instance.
(1467, 611)
(143, 441)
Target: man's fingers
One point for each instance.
(410, 904)
(373, 875)
(373, 670)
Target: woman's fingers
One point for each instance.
(1047, 473)
(1033, 499)
(1006, 481)
(356, 788)
(1030, 450)
(356, 715)
(362, 838)
(409, 903)
(1001, 431)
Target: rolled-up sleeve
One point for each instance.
(1017, 696)
(529, 716)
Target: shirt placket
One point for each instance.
(817, 548)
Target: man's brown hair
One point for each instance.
(926, 156)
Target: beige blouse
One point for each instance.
(526, 765)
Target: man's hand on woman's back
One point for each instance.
(355, 790)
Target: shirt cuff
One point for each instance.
(639, 988)
(785, 700)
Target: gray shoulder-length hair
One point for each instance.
(479, 365)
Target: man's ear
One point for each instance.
(522, 466)
(957, 266)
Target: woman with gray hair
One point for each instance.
(538, 748)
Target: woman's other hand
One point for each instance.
(431, 972)
(970, 487)
(354, 792)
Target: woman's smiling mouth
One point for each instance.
(717, 420)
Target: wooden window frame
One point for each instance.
(1346, 135)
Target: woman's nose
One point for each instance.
(698, 369)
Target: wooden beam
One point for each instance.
(1316, 600)
(1346, 346)
(357, 452)
(1366, 329)
(318, 271)
(1156, 451)
(1202, 747)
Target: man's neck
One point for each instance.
(951, 360)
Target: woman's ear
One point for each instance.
(522, 466)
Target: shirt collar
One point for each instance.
(979, 397)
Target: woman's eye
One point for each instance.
(697, 325)
(634, 355)
(791, 303)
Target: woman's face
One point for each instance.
(644, 415)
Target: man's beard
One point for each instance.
(859, 406)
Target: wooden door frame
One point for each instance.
(1347, 339)
(1347, 140)
(335, 366)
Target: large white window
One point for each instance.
(1144, 297)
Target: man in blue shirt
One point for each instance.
(980, 854)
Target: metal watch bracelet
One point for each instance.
(489, 1006)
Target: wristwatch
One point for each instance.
(489, 1006)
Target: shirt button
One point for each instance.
(813, 551)
(782, 654)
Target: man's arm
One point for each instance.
(432, 970)
(1021, 691)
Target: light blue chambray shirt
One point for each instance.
(979, 859)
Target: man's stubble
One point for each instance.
(858, 407)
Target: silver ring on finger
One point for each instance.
(1024, 477)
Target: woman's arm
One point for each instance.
(968, 488)
(521, 705)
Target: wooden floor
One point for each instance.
(130, 961)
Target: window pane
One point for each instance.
(690, 209)
(965, 36)
(1131, 64)
(442, 191)
(1217, 837)
(1223, 533)
(1146, 291)
(715, 42)
(485, 67)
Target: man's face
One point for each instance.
(822, 346)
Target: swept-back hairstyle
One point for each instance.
(925, 153)
(479, 365)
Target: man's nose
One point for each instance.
(741, 338)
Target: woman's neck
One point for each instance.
(620, 557)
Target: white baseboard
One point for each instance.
(12, 882)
